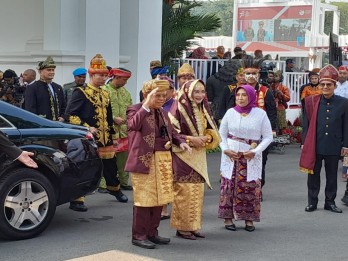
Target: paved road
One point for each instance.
(286, 231)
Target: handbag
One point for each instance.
(122, 145)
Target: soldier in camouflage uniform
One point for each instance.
(80, 79)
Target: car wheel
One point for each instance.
(27, 204)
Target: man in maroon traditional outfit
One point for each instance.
(325, 136)
(150, 136)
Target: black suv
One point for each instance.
(69, 167)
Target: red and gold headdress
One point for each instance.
(98, 65)
(121, 72)
(329, 72)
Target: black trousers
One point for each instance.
(313, 181)
(264, 161)
(110, 174)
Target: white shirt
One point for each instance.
(251, 127)
(342, 89)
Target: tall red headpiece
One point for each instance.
(329, 72)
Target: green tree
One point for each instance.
(343, 8)
(222, 9)
(179, 25)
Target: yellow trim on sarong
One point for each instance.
(308, 171)
(156, 188)
(113, 188)
(187, 206)
(80, 199)
(107, 152)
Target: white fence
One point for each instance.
(204, 68)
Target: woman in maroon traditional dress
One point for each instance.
(191, 116)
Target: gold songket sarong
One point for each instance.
(156, 188)
(187, 207)
(196, 160)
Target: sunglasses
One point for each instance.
(328, 85)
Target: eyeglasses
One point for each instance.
(328, 85)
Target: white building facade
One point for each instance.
(126, 32)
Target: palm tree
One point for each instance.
(179, 26)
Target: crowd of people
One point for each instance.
(154, 140)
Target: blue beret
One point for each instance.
(79, 71)
(160, 70)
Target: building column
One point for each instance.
(140, 39)
(336, 22)
(103, 30)
(63, 38)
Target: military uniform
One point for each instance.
(68, 89)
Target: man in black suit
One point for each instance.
(45, 97)
(15, 153)
(325, 136)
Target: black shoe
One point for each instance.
(333, 208)
(345, 198)
(143, 243)
(119, 196)
(249, 228)
(103, 190)
(310, 208)
(231, 227)
(78, 206)
(126, 187)
(159, 240)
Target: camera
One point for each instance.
(266, 66)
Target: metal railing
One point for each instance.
(204, 68)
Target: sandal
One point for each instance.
(198, 234)
(190, 236)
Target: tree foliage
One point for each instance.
(343, 8)
(179, 25)
(222, 9)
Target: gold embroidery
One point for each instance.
(75, 120)
(188, 120)
(155, 188)
(175, 122)
(150, 139)
(151, 121)
(53, 110)
(192, 177)
(260, 100)
(200, 119)
(232, 87)
(146, 159)
(100, 100)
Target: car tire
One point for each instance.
(27, 204)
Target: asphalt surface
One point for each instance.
(286, 231)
